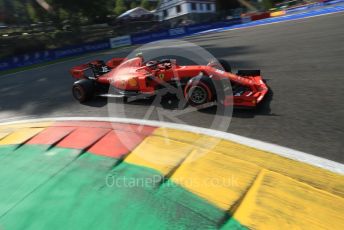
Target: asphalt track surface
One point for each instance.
(303, 62)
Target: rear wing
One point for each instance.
(81, 71)
(114, 62)
(86, 71)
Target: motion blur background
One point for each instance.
(28, 26)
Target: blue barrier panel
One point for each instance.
(140, 38)
(177, 32)
(198, 28)
(42, 56)
(120, 41)
(203, 27)
(230, 22)
(26, 60)
(75, 50)
(159, 35)
(4, 64)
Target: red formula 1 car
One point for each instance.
(121, 77)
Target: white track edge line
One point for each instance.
(320, 162)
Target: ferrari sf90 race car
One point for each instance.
(198, 84)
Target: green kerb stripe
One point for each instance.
(60, 189)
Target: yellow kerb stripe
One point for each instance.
(3, 134)
(20, 132)
(159, 153)
(279, 202)
(220, 179)
(317, 177)
(19, 136)
(261, 189)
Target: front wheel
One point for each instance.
(83, 90)
(198, 93)
(221, 65)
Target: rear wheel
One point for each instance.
(83, 90)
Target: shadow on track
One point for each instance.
(96, 102)
(171, 102)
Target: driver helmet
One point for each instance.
(140, 55)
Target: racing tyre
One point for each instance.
(226, 66)
(221, 65)
(83, 90)
(198, 93)
(248, 73)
